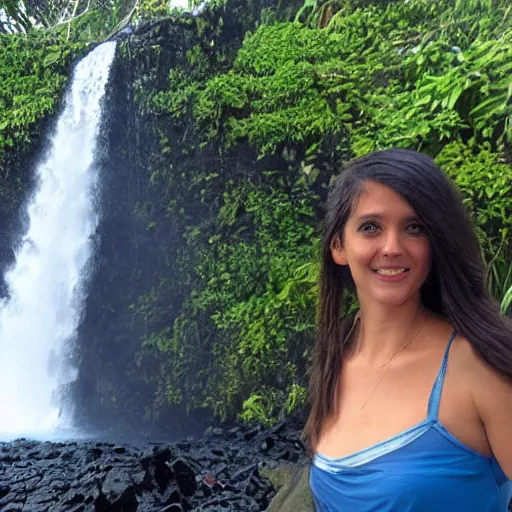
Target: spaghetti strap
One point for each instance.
(435, 395)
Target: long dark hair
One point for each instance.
(455, 288)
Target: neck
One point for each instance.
(382, 332)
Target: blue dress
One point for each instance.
(422, 469)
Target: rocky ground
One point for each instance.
(220, 472)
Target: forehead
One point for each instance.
(378, 199)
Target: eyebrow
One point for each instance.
(379, 216)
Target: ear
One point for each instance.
(338, 252)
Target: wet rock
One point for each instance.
(223, 471)
(267, 444)
(115, 484)
(185, 477)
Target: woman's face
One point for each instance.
(385, 246)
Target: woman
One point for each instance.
(412, 398)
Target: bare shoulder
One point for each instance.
(482, 376)
(491, 392)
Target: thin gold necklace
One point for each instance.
(388, 364)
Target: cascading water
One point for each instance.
(39, 320)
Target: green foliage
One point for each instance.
(286, 88)
(33, 72)
(260, 408)
(447, 91)
(297, 398)
(150, 9)
(346, 78)
(258, 294)
(486, 184)
(506, 303)
(84, 20)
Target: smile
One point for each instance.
(391, 271)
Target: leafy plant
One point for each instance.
(486, 184)
(507, 301)
(33, 71)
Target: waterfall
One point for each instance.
(39, 319)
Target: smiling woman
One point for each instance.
(412, 398)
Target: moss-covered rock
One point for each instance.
(291, 482)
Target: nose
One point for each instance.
(392, 243)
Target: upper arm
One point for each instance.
(492, 394)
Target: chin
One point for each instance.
(396, 299)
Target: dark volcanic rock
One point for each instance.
(185, 477)
(219, 472)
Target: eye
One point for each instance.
(369, 228)
(416, 229)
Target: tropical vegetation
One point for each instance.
(311, 85)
